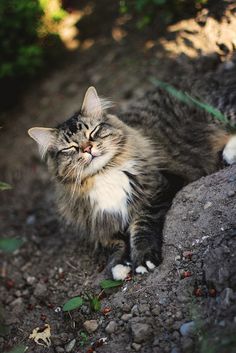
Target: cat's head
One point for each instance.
(84, 144)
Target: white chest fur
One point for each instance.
(110, 193)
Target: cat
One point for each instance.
(116, 176)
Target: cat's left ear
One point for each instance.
(45, 137)
(92, 105)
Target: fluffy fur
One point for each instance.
(116, 177)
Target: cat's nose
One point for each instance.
(87, 149)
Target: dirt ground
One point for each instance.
(188, 304)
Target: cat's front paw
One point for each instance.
(120, 271)
(145, 261)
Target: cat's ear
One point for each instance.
(92, 105)
(45, 137)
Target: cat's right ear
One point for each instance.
(45, 137)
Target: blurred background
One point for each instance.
(38, 36)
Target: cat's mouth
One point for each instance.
(90, 156)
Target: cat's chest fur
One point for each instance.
(110, 193)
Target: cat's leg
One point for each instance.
(146, 227)
(146, 242)
(229, 152)
(118, 263)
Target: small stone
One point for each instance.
(60, 350)
(111, 327)
(126, 307)
(30, 280)
(207, 205)
(135, 310)
(176, 335)
(175, 350)
(40, 290)
(31, 219)
(70, 345)
(90, 325)
(17, 306)
(156, 311)
(126, 317)
(143, 308)
(178, 315)
(141, 332)
(187, 328)
(187, 343)
(231, 193)
(136, 346)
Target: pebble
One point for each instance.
(40, 290)
(111, 327)
(30, 280)
(143, 308)
(60, 350)
(141, 332)
(135, 310)
(187, 328)
(178, 315)
(70, 345)
(136, 346)
(231, 193)
(17, 306)
(126, 317)
(156, 311)
(90, 325)
(175, 350)
(207, 205)
(126, 307)
(187, 343)
(31, 219)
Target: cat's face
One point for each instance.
(84, 144)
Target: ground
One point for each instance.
(188, 303)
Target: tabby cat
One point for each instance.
(116, 176)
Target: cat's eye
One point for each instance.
(69, 149)
(103, 130)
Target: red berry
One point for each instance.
(212, 292)
(198, 292)
(10, 283)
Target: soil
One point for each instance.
(188, 304)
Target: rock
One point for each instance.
(17, 306)
(136, 346)
(156, 311)
(111, 327)
(126, 317)
(187, 344)
(60, 350)
(187, 328)
(90, 325)
(40, 290)
(143, 308)
(30, 280)
(207, 205)
(141, 332)
(31, 219)
(175, 350)
(70, 345)
(135, 310)
(126, 307)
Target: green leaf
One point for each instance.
(186, 98)
(73, 303)
(4, 186)
(10, 244)
(95, 304)
(84, 338)
(18, 349)
(110, 283)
